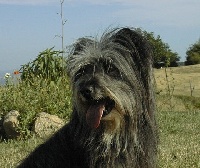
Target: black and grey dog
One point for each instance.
(113, 120)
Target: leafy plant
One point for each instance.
(49, 66)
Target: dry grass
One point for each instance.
(183, 80)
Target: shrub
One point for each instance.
(43, 87)
(29, 100)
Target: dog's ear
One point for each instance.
(138, 47)
(135, 42)
(141, 55)
(81, 44)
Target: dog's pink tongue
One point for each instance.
(94, 115)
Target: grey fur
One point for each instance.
(116, 70)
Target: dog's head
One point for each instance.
(110, 78)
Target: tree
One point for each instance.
(193, 54)
(161, 51)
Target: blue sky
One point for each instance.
(28, 27)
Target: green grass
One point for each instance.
(179, 139)
(12, 151)
(179, 145)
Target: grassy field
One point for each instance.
(178, 118)
(178, 106)
(179, 142)
(179, 139)
(183, 80)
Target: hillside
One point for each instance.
(184, 80)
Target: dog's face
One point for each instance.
(97, 93)
(99, 90)
(105, 82)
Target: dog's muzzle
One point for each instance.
(98, 106)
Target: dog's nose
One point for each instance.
(87, 92)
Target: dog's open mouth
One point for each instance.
(97, 110)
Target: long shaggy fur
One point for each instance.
(115, 74)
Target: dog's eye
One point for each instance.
(112, 71)
(88, 69)
(78, 74)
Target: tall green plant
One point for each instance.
(49, 65)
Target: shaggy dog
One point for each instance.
(113, 120)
